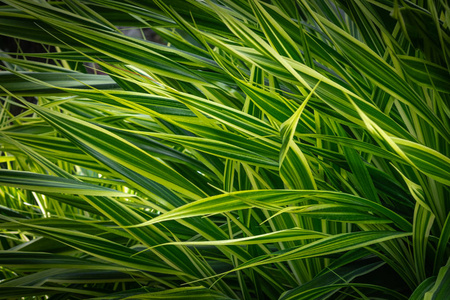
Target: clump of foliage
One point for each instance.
(268, 150)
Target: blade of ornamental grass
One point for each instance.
(265, 198)
(19, 87)
(294, 168)
(326, 246)
(52, 184)
(383, 74)
(175, 293)
(95, 140)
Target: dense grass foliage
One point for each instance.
(275, 149)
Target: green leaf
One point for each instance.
(294, 168)
(441, 288)
(21, 87)
(272, 200)
(51, 184)
(175, 293)
(326, 246)
(272, 237)
(425, 73)
(97, 142)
